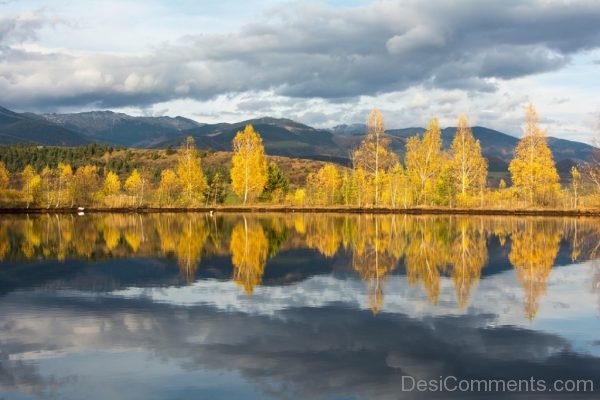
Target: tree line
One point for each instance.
(428, 176)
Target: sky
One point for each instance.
(322, 63)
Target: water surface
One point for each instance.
(293, 306)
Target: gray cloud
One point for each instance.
(305, 52)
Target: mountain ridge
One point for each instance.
(281, 136)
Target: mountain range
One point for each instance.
(283, 137)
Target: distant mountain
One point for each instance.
(23, 128)
(499, 147)
(351, 129)
(281, 136)
(122, 129)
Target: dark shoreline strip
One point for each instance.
(336, 210)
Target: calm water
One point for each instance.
(293, 306)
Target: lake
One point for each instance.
(231, 306)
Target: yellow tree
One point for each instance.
(135, 185)
(167, 187)
(398, 188)
(112, 184)
(4, 177)
(576, 183)
(467, 166)
(32, 183)
(299, 197)
(424, 159)
(190, 174)
(374, 154)
(65, 176)
(249, 164)
(249, 248)
(49, 183)
(533, 171)
(83, 184)
(325, 185)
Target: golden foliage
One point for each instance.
(424, 161)
(249, 165)
(534, 247)
(192, 238)
(467, 166)
(167, 188)
(374, 154)
(468, 255)
(533, 171)
(4, 177)
(190, 175)
(249, 248)
(374, 256)
(323, 187)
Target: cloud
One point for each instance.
(416, 38)
(314, 51)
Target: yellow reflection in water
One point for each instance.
(427, 248)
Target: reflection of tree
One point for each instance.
(535, 245)
(427, 253)
(584, 237)
(32, 237)
(322, 234)
(373, 255)
(249, 248)
(468, 255)
(193, 235)
(4, 242)
(277, 234)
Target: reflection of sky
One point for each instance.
(569, 308)
(316, 337)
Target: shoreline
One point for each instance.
(323, 210)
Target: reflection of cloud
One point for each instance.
(359, 354)
(302, 338)
(495, 294)
(18, 376)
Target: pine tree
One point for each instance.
(277, 184)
